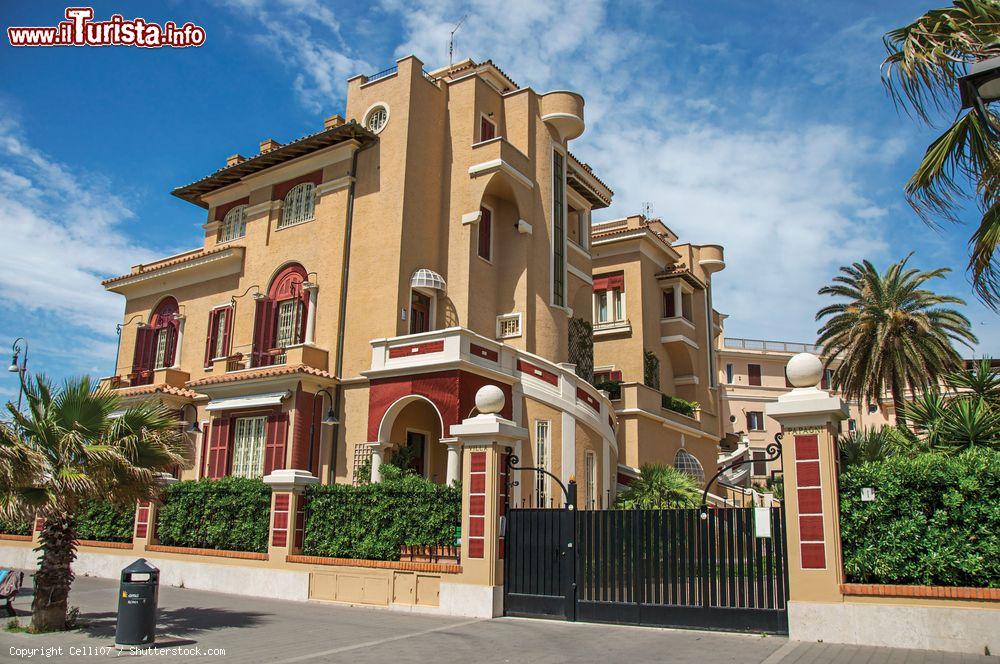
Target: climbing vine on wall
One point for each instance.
(581, 348)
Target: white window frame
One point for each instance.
(581, 204)
(542, 453)
(235, 220)
(761, 426)
(371, 110)
(503, 318)
(249, 443)
(431, 315)
(298, 206)
(614, 299)
(160, 358)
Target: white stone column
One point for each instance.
(179, 344)
(454, 460)
(678, 301)
(312, 289)
(376, 462)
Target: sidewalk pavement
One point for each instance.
(195, 625)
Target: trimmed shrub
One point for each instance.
(15, 526)
(371, 521)
(231, 514)
(935, 520)
(102, 521)
(678, 405)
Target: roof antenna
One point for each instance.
(451, 40)
(647, 210)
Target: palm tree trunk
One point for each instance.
(897, 405)
(54, 576)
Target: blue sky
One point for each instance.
(763, 127)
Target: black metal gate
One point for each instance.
(648, 567)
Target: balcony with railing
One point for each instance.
(765, 345)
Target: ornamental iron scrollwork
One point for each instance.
(513, 460)
(773, 451)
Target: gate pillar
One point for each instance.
(810, 420)
(483, 442)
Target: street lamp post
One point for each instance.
(331, 418)
(118, 348)
(20, 368)
(981, 86)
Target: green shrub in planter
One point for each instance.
(371, 521)
(935, 520)
(231, 514)
(102, 521)
(15, 526)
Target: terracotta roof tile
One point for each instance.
(152, 267)
(265, 372)
(162, 388)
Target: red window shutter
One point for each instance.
(485, 231)
(142, 359)
(486, 130)
(274, 449)
(213, 318)
(616, 376)
(263, 333)
(218, 451)
(753, 374)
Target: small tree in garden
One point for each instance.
(67, 451)
(867, 445)
(651, 369)
(659, 487)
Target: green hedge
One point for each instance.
(371, 521)
(678, 405)
(15, 527)
(935, 520)
(231, 514)
(98, 520)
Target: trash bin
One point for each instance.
(137, 599)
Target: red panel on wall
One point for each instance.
(281, 190)
(810, 501)
(477, 504)
(476, 547)
(416, 349)
(478, 483)
(813, 556)
(585, 396)
(811, 528)
(477, 526)
(479, 351)
(806, 448)
(807, 473)
(537, 372)
(279, 531)
(479, 462)
(281, 501)
(220, 211)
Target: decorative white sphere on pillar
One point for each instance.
(804, 370)
(490, 399)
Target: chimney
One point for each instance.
(269, 144)
(333, 121)
(234, 159)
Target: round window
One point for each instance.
(377, 118)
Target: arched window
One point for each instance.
(299, 205)
(686, 462)
(281, 317)
(156, 342)
(234, 225)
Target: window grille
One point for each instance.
(508, 326)
(161, 347)
(686, 462)
(377, 119)
(248, 446)
(299, 205)
(221, 320)
(541, 461)
(234, 224)
(362, 455)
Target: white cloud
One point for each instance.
(63, 232)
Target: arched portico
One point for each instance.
(412, 425)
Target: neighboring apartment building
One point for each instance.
(654, 331)
(752, 374)
(357, 286)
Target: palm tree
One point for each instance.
(70, 450)
(659, 487)
(890, 334)
(866, 445)
(924, 60)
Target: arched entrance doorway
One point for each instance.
(410, 435)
